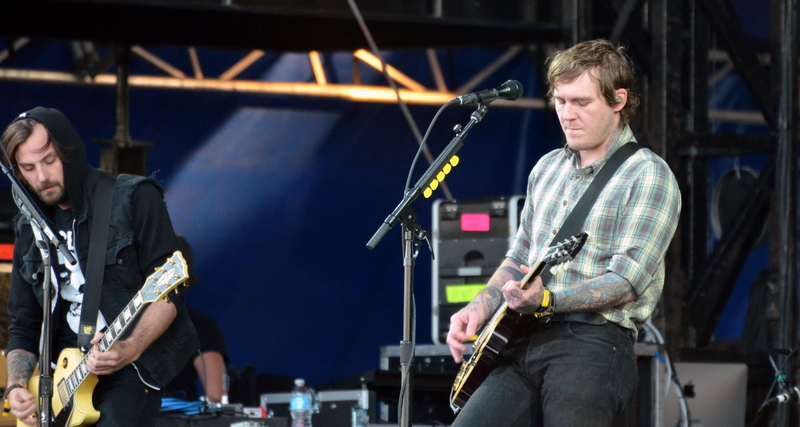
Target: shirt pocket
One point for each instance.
(601, 224)
(32, 267)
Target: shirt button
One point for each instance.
(555, 231)
(119, 261)
(564, 202)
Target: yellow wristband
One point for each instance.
(545, 301)
(548, 306)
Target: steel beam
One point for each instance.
(213, 24)
(713, 286)
(726, 24)
(783, 241)
(704, 145)
(665, 129)
(694, 232)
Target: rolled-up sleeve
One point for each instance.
(646, 225)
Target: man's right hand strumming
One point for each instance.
(464, 325)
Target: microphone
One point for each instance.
(509, 90)
(790, 395)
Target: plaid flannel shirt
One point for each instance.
(630, 226)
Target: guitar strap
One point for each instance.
(574, 222)
(98, 243)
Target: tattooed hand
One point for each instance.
(22, 403)
(467, 321)
(526, 299)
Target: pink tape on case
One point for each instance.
(474, 222)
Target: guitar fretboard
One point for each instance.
(68, 386)
(164, 279)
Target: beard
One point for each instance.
(57, 194)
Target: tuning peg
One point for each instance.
(556, 269)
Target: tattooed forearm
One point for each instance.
(20, 365)
(508, 270)
(491, 296)
(608, 290)
(515, 273)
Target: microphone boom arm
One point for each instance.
(28, 208)
(444, 157)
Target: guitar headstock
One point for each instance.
(165, 279)
(565, 250)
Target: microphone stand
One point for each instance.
(45, 237)
(45, 366)
(412, 235)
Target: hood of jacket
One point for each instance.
(70, 144)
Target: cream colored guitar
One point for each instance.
(72, 394)
(499, 330)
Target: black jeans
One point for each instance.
(124, 400)
(558, 374)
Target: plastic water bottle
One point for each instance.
(358, 417)
(300, 404)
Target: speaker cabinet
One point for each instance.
(470, 240)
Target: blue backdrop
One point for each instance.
(279, 196)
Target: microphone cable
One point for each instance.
(780, 377)
(671, 374)
(403, 106)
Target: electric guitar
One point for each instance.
(497, 332)
(72, 394)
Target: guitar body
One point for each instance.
(80, 410)
(498, 331)
(486, 353)
(73, 385)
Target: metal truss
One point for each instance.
(173, 78)
(94, 73)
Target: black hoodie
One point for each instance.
(140, 238)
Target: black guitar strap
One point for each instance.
(574, 222)
(95, 265)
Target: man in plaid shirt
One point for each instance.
(579, 368)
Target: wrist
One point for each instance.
(11, 388)
(548, 306)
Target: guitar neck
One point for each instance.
(533, 273)
(112, 333)
(121, 323)
(157, 286)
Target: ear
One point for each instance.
(621, 98)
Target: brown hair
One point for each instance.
(18, 132)
(607, 65)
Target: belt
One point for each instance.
(593, 318)
(590, 318)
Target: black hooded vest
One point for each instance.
(125, 268)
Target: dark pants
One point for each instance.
(123, 400)
(559, 374)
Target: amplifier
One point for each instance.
(428, 359)
(470, 240)
(217, 420)
(336, 407)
